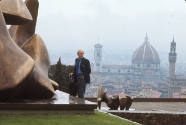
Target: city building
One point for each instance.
(97, 57)
(145, 63)
(176, 83)
(130, 79)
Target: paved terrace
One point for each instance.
(153, 111)
(156, 104)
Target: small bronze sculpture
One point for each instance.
(122, 100)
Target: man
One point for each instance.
(81, 73)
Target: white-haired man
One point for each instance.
(81, 73)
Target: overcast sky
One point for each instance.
(119, 25)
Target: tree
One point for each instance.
(60, 74)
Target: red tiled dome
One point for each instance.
(146, 54)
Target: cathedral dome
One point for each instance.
(146, 54)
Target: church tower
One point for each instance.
(172, 60)
(97, 57)
(172, 66)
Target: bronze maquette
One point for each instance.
(122, 100)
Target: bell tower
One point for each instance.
(97, 57)
(172, 60)
(172, 66)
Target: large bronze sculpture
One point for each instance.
(24, 59)
(122, 100)
(15, 12)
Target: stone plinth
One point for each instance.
(60, 103)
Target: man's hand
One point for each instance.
(71, 74)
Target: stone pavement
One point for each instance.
(156, 106)
(159, 106)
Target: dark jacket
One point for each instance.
(85, 68)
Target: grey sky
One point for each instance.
(119, 25)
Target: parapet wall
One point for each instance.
(153, 118)
(149, 99)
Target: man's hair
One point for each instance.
(79, 51)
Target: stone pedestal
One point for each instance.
(61, 103)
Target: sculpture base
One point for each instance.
(61, 103)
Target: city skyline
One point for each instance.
(124, 59)
(118, 25)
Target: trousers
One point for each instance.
(80, 86)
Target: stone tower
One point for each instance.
(97, 57)
(173, 87)
(172, 60)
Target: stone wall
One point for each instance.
(153, 118)
(149, 99)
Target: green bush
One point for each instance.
(60, 74)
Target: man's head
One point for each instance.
(80, 53)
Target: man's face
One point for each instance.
(80, 54)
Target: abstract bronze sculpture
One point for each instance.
(122, 100)
(21, 33)
(15, 12)
(24, 59)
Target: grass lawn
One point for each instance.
(93, 119)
